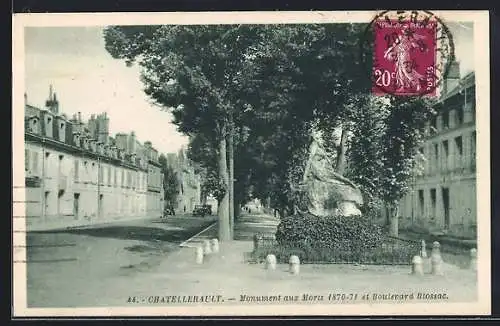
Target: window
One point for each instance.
(446, 119)
(460, 115)
(433, 202)
(436, 155)
(421, 202)
(445, 154)
(473, 146)
(458, 145)
(471, 95)
(34, 162)
(109, 175)
(101, 172)
(77, 170)
(26, 160)
(61, 157)
(433, 124)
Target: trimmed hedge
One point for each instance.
(339, 233)
(395, 254)
(335, 239)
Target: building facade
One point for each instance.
(443, 198)
(189, 182)
(76, 174)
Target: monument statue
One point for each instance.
(326, 192)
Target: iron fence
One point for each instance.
(391, 251)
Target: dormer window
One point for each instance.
(76, 139)
(48, 126)
(33, 125)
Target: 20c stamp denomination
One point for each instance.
(412, 51)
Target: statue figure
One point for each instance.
(327, 193)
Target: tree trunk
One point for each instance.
(231, 174)
(237, 209)
(393, 219)
(341, 161)
(223, 207)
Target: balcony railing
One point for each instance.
(33, 182)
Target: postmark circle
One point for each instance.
(407, 53)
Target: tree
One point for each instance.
(306, 74)
(386, 157)
(170, 181)
(191, 71)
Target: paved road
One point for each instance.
(69, 262)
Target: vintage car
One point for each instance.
(202, 210)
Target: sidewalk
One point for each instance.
(228, 274)
(464, 244)
(246, 226)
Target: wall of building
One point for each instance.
(443, 196)
(189, 182)
(72, 190)
(189, 192)
(155, 197)
(76, 176)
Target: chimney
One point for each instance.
(25, 98)
(103, 128)
(452, 78)
(51, 103)
(132, 143)
(79, 117)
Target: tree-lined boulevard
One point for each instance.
(251, 96)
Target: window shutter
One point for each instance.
(26, 159)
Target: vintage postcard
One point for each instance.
(251, 163)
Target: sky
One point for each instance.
(88, 80)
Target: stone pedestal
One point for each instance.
(436, 260)
(207, 249)
(271, 262)
(423, 251)
(294, 265)
(199, 255)
(417, 267)
(214, 245)
(473, 259)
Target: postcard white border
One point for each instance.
(481, 56)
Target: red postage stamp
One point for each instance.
(405, 56)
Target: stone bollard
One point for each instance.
(294, 265)
(214, 245)
(417, 267)
(423, 251)
(271, 262)
(436, 260)
(473, 259)
(206, 247)
(199, 255)
(257, 238)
